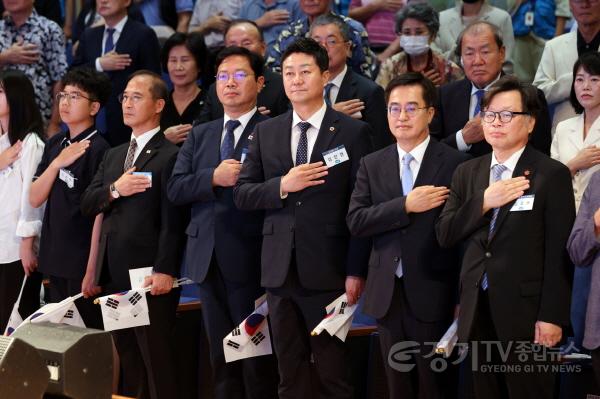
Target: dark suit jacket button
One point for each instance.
(298, 203)
(396, 259)
(488, 254)
(291, 228)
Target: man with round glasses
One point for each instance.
(512, 210)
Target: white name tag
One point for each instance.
(67, 177)
(147, 174)
(136, 276)
(529, 18)
(335, 156)
(523, 203)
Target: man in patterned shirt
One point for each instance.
(362, 60)
(34, 45)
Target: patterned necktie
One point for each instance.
(228, 144)
(110, 44)
(479, 94)
(497, 171)
(302, 151)
(327, 94)
(407, 176)
(130, 155)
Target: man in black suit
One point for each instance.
(347, 91)
(512, 210)
(399, 192)
(141, 228)
(119, 48)
(456, 121)
(271, 99)
(308, 257)
(223, 245)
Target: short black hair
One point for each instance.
(474, 26)
(414, 79)
(590, 62)
(96, 84)
(194, 42)
(255, 60)
(529, 96)
(158, 88)
(310, 47)
(24, 115)
(241, 21)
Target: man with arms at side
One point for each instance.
(308, 257)
(399, 192)
(141, 228)
(512, 210)
(223, 243)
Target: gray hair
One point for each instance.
(475, 27)
(329, 19)
(421, 12)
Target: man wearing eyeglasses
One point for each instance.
(223, 243)
(412, 282)
(141, 229)
(512, 211)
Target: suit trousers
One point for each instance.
(11, 279)
(495, 377)
(224, 305)
(61, 288)
(401, 325)
(309, 367)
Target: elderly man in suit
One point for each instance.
(119, 48)
(457, 122)
(308, 257)
(412, 282)
(512, 210)
(141, 228)
(348, 91)
(223, 245)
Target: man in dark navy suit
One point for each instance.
(223, 247)
(119, 48)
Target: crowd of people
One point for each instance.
(196, 138)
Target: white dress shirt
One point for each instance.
(237, 132)
(142, 140)
(17, 218)
(510, 163)
(337, 83)
(315, 121)
(116, 35)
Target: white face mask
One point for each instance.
(414, 45)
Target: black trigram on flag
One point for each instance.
(234, 345)
(69, 314)
(236, 331)
(258, 338)
(112, 303)
(343, 307)
(135, 298)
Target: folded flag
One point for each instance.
(251, 338)
(64, 312)
(338, 318)
(15, 319)
(448, 340)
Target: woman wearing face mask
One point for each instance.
(417, 26)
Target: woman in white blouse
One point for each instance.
(576, 143)
(21, 149)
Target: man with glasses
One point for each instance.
(457, 122)
(348, 91)
(141, 229)
(412, 282)
(223, 244)
(512, 212)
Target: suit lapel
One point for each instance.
(327, 132)
(463, 96)
(390, 167)
(243, 141)
(213, 132)
(283, 142)
(121, 44)
(149, 151)
(430, 165)
(348, 88)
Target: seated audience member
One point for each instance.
(271, 100)
(211, 18)
(271, 16)
(576, 143)
(362, 60)
(378, 19)
(348, 91)
(183, 57)
(167, 16)
(119, 48)
(417, 25)
(68, 166)
(555, 71)
(457, 121)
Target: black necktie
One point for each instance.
(109, 45)
(302, 150)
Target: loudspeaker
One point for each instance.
(80, 360)
(23, 372)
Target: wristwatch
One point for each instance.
(113, 191)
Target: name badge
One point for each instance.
(147, 174)
(67, 177)
(244, 155)
(523, 203)
(529, 18)
(335, 156)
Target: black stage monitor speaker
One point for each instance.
(23, 372)
(80, 360)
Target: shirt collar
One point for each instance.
(31, 16)
(119, 25)
(90, 131)
(511, 162)
(144, 138)
(243, 119)
(418, 152)
(474, 88)
(337, 81)
(315, 119)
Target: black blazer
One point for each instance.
(527, 264)
(141, 230)
(310, 223)
(216, 225)
(137, 40)
(375, 113)
(271, 96)
(377, 210)
(452, 113)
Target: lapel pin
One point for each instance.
(526, 172)
(147, 151)
(331, 129)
